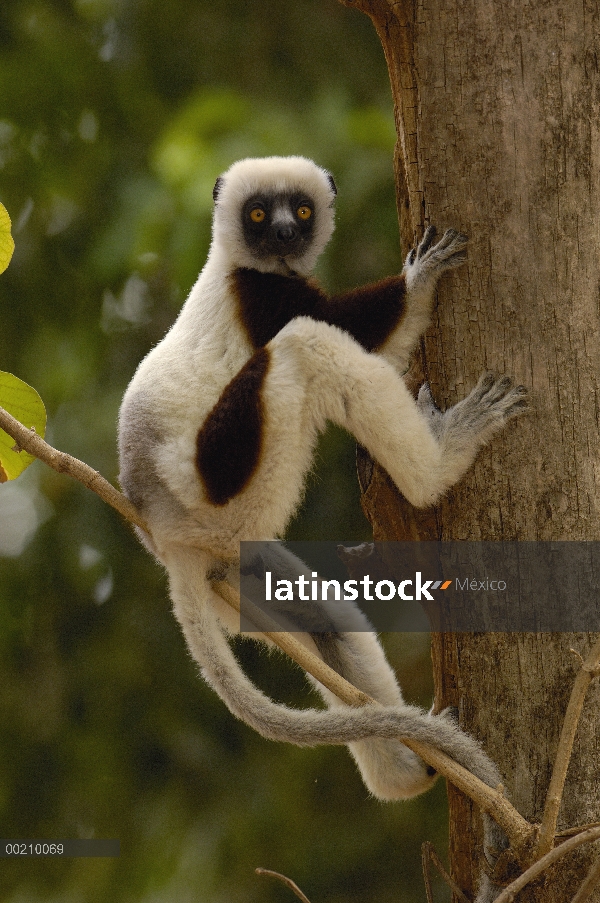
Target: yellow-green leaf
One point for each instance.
(7, 244)
(24, 403)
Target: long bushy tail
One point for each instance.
(194, 604)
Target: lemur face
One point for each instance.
(278, 225)
(273, 214)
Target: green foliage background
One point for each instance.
(116, 116)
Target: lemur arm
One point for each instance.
(389, 316)
(369, 313)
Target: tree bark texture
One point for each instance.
(497, 109)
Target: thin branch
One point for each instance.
(509, 893)
(491, 800)
(287, 881)
(342, 688)
(589, 884)
(577, 829)
(29, 441)
(428, 852)
(589, 669)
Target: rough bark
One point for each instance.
(498, 118)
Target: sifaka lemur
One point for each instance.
(218, 428)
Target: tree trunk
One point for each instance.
(498, 119)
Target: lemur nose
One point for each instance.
(286, 233)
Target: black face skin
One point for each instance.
(285, 227)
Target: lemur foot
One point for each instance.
(492, 403)
(489, 406)
(428, 261)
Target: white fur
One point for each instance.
(317, 373)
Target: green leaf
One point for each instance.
(7, 244)
(24, 403)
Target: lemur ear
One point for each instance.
(217, 188)
(332, 184)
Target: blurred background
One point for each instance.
(116, 116)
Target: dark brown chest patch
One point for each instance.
(229, 443)
(268, 301)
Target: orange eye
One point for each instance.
(257, 215)
(304, 212)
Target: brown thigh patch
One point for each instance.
(230, 440)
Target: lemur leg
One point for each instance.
(337, 380)
(390, 770)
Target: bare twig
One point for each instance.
(589, 884)
(287, 881)
(589, 669)
(509, 893)
(428, 853)
(577, 829)
(491, 800)
(29, 441)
